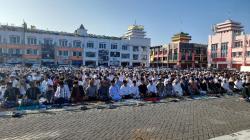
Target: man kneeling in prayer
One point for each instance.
(10, 96)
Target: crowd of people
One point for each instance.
(26, 86)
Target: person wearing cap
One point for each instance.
(169, 90)
(10, 96)
(14, 81)
(77, 93)
(177, 88)
(160, 88)
(125, 90)
(45, 83)
(143, 89)
(134, 90)
(62, 94)
(114, 91)
(103, 91)
(91, 91)
(32, 94)
(152, 90)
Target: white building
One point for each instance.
(30, 45)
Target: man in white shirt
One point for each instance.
(62, 94)
(152, 90)
(125, 90)
(15, 83)
(134, 90)
(45, 83)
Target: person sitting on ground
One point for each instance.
(10, 96)
(152, 90)
(225, 86)
(160, 88)
(125, 90)
(77, 93)
(114, 92)
(203, 87)
(32, 95)
(103, 91)
(91, 91)
(192, 88)
(238, 85)
(62, 94)
(134, 90)
(169, 90)
(143, 89)
(177, 88)
(49, 95)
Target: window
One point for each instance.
(1, 50)
(248, 53)
(135, 57)
(63, 42)
(90, 54)
(77, 53)
(65, 53)
(135, 49)
(35, 52)
(233, 54)
(29, 51)
(14, 39)
(125, 56)
(144, 57)
(214, 55)
(113, 46)
(31, 41)
(90, 45)
(214, 47)
(124, 47)
(77, 43)
(224, 49)
(198, 51)
(144, 49)
(102, 46)
(238, 44)
(175, 54)
(114, 54)
(60, 53)
(48, 42)
(18, 51)
(240, 54)
(11, 51)
(0, 39)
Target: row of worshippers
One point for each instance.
(75, 88)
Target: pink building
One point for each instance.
(229, 46)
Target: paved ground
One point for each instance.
(198, 119)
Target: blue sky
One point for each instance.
(161, 18)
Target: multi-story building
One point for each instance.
(23, 45)
(180, 53)
(229, 46)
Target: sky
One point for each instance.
(161, 18)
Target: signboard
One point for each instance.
(219, 59)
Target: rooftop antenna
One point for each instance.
(181, 22)
(229, 16)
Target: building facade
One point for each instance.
(23, 45)
(180, 53)
(228, 46)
